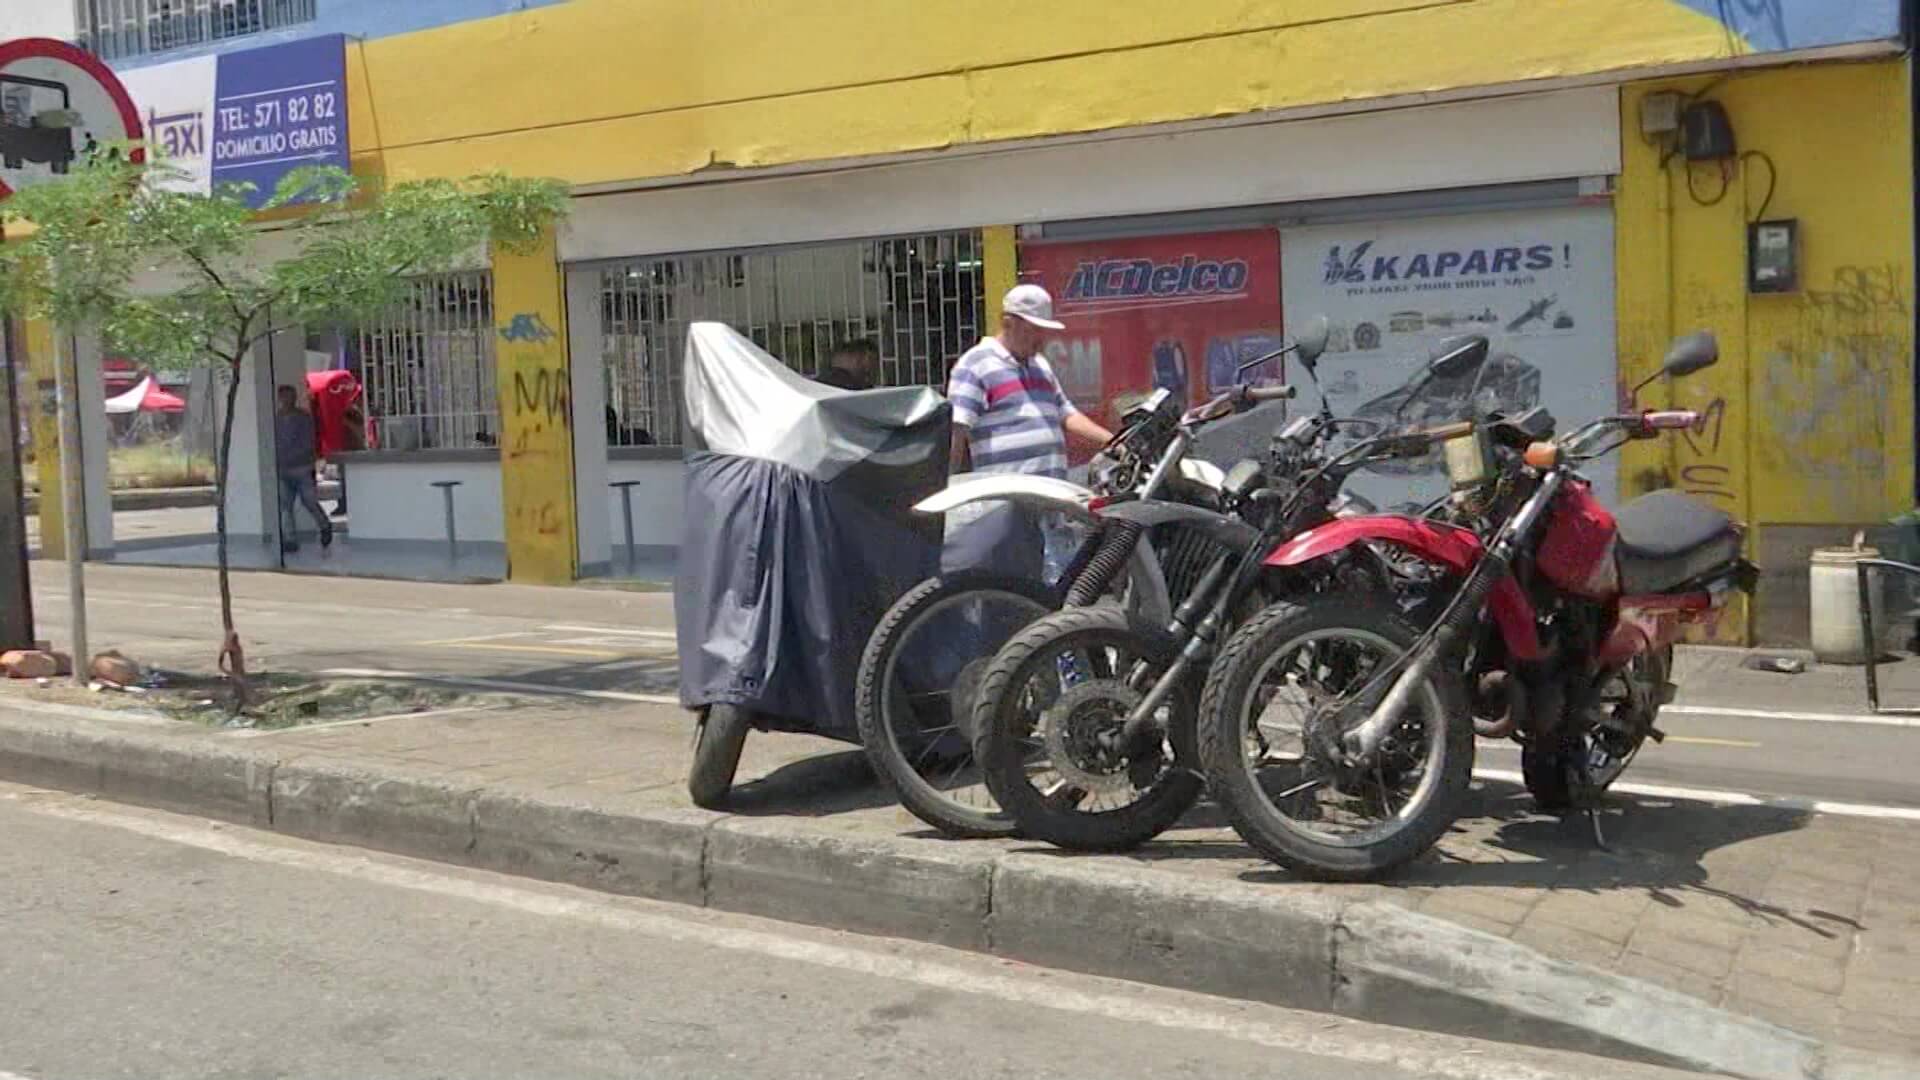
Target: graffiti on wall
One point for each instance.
(1830, 383)
(1761, 26)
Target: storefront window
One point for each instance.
(428, 367)
(919, 298)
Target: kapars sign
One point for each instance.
(1358, 264)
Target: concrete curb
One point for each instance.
(1305, 949)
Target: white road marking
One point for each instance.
(1304, 1033)
(503, 684)
(665, 635)
(1880, 719)
(1739, 798)
(481, 637)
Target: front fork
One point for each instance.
(1459, 618)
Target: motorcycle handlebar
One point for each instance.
(1271, 393)
(1669, 420)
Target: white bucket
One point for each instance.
(1834, 585)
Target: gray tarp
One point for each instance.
(798, 532)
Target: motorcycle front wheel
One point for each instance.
(1047, 725)
(716, 754)
(1276, 704)
(919, 677)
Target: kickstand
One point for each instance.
(1599, 834)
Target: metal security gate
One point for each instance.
(428, 367)
(919, 298)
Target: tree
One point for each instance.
(353, 247)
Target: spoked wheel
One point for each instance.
(716, 754)
(1573, 773)
(918, 681)
(1049, 722)
(1285, 690)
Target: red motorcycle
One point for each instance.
(1338, 736)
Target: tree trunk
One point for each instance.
(233, 659)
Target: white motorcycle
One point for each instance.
(923, 664)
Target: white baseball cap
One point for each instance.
(1032, 303)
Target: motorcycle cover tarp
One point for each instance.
(798, 531)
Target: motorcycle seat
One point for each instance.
(1667, 539)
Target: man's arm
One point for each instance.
(969, 401)
(1084, 433)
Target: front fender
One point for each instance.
(1221, 528)
(1043, 492)
(1450, 546)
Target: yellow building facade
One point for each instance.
(896, 165)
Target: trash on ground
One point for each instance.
(114, 668)
(1784, 665)
(35, 664)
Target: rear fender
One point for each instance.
(1039, 492)
(1450, 546)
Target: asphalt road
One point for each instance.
(583, 640)
(145, 945)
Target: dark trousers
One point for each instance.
(297, 486)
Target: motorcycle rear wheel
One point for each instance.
(940, 788)
(1023, 675)
(1236, 751)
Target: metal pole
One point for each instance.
(16, 587)
(73, 501)
(626, 510)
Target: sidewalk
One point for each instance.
(1686, 944)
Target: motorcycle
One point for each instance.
(1338, 733)
(1084, 721)
(921, 667)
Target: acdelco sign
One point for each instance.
(1134, 279)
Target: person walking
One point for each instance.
(296, 444)
(1010, 416)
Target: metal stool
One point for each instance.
(446, 493)
(626, 508)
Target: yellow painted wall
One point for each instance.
(603, 91)
(1810, 412)
(1002, 270)
(41, 396)
(536, 416)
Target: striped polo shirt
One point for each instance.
(1013, 412)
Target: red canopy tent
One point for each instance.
(146, 396)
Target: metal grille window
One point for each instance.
(918, 297)
(428, 367)
(112, 29)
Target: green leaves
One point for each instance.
(178, 278)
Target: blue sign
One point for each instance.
(278, 109)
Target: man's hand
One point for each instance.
(1084, 434)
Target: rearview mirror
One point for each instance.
(1311, 342)
(1692, 353)
(1457, 356)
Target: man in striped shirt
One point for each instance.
(1010, 416)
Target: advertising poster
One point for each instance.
(250, 116)
(1180, 312)
(1537, 283)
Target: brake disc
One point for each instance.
(1082, 736)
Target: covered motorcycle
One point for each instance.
(798, 534)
